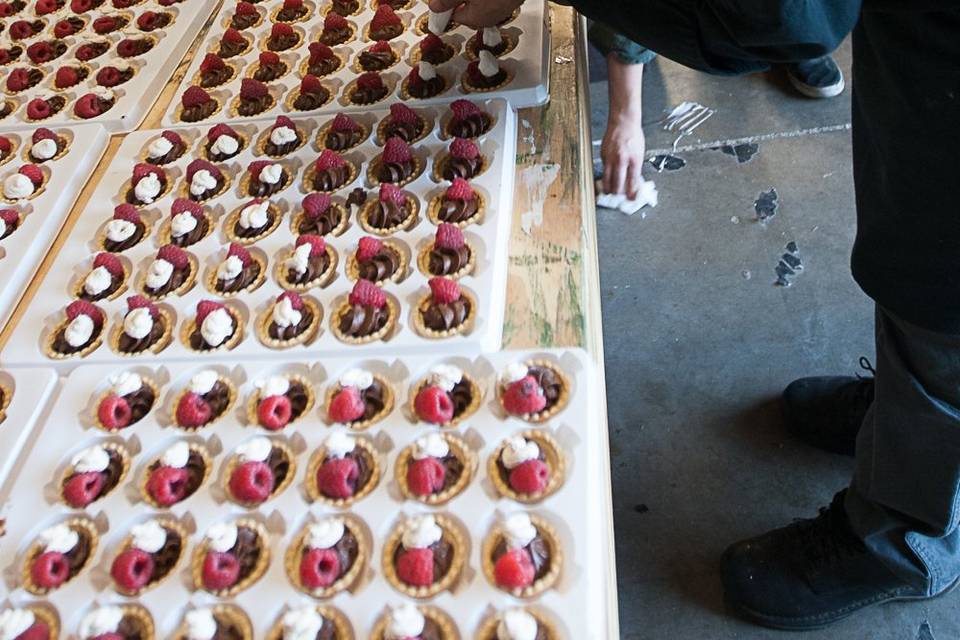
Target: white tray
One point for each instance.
(30, 389)
(134, 97)
(529, 61)
(490, 240)
(576, 603)
(23, 250)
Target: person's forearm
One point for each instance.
(625, 87)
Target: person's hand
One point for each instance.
(477, 13)
(622, 153)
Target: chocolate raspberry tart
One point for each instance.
(115, 75)
(216, 327)
(336, 30)
(150, 553)
(309, 96)
(264, 178)
(485, 74)
(283, 37)
(124, 230)
(522, 556)
(129, 399)
(239, 272)
(527, 467)
(322, 621)
(342, 471)
(254, 99)
(172, 272)
(460, 205)
(368, 89)
(214, 72)
(379, 56)
(94, 473)
(78, 334)
(322, 61)
(403, 123)
(342, 133)
(467, 120)
(359, 399)
(118, 622)
(290, 321)
(279, 400)
(269, 67)
(219, 622)
(423, 82)
(490, 39)
(260, 469)
(282, 139)
(105, 280)
(534, 391)
(204, 181)
(188, 224)
(462, 160)
(396, 164)
(32, 621)
(421, 622)
(393, 210)
(366, 316)
(424, 555)
(255, 220)
(378, 261)
(92, 50)
(446, 311)
(197, 105)
(167, 148)
(435, 469)
(384, 25)
(292, 11)
(232, 44)
(245, 16)
(46, 51)
(59, 554)
(206, 399)
(448, 255)
(231, 558)
(320, 215)
(445, 396)
(145, 327)
(176, 474)
(328, 556)
(223, 143)
(433, 50)
(312, 263)
(70, 76)
(330, 172)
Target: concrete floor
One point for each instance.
(699, 343)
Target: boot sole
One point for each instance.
(785, 625)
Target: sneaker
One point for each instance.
(808, 575)
(817, 78)
(827, 412)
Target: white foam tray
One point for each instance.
(23, 250)
(31, 388)
(134, 97)
(529, 61)
(577, 603)
(490, 240)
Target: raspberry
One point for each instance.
(10, 217)
(284, 121)
(40, 52)
(198, 164)
(431, 42)
(396, 151)
(337, 478)
(401, 113)
(310, 84)
(104, 25)
(433, 405)
(129, 47)
(232, 35)
(87, 52)
(463, 109)
(415, 567)
(280, 30)
(320, 52)
(114, 412)
(426, 477)
(329, 160)
(444, 290)
(5, 145)
(246, 9)
(65, 78)
(268, 58)
(38, 109)
(347, 406)
(221, 130)
(368, 248)
(63, 29)
(37, 631)
(109, 636)
(43, 134)
(148, 20)
(44, 7)
(464, 148)
(109, 262)
(449, 236)
(132, 569)
(295, 300)
(193, 411)
(392, 193)
(385, 16)
(367, 294)
(212, 62)
(343, 122)
(140, 302)
(318, 245)
(175, 256)
(18, 80)
(370, 80)
(168, 485)
(83, 488)
(50, 570)
(292, 4)
(205, 308)
(274, 412)
(142, 170)
(220, 571)
(240, 252)
(21, 29)
(82, 307)
(381, 46)
(514, 570)
(251, 89)
(319, 568)
(109, 77)
(256, 167)
(126, 212)
(252, 482)
(33, 172)
(81, 6)
(194, 97)
(524, 397)
(181, 205)
(530, 477)
(334, 21)
(460, 189)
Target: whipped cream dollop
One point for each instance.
(426, 70)
(59, 538)
(44, 149)
(438, 21)
(225, 145)
(254, 216)
(138, 323)
(303, 623)
(216, 327)
(202, 382)
(148, 188)
(255, 450)
(283, 135)
(79, 331)
(273, 386)
(3, 228)
(518, 530)
(284, 315)
(182, 223)
(446, 376)
(120, 230)
(125, 383)
(159, 147)
(325, 534)
(338, 444)
(158, 273)
(517, 624)
(202, 182)
(359, 378)
(229, 268)
(488, 64)
(431, 446)
(91, 460)
(405, 621)
(15, 622)
(421, 532)
(104, 93)
(515, 372)
(299, 260)
(97, 281)
(100, 622)
(517, 450)
(222, 537)
(148, 536)
(176, 456)
(17, 186)
(271, 174)
(201, 625)
(491, 36)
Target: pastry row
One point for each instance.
(52, 11)
(29, 180)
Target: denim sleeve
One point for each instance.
(609, 41)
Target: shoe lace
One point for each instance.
(827, 539)
(866, 366)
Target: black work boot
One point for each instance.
(808, 575)
(827, 412)
(817, 78)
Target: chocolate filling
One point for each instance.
(345, 7)
(60, 344)
(227, 629)
(209, 193)
(230, 48)
(250, 232)
(177, 278)
(92, 50)
(465, 168)
(427, 88)
(130, 628)
(160, 21)
(312, 100)
(364, 468)
(169, 156)
(369, 95)
(359, 321)
(438, 55)
(406, 131)
(376, 60)
(445, 262)
(328, 631)
(78, 556)
(321, 224)
(7, 109)
(333, 37)
(140, 403)
(127, 344)
(56, 104)
(297, 395)
(373, 401)
(269, 72)
(216, 77)
(140, 47)
(539, 552)
(246, 550)
(331, 179)
(117, 247)
(246, 277)
(341, 140)
(10, 228)
(34, 76)
(475, 46)
(481, 81)
(471, 126)
(218, 398)
(323, 66)
(259, 189)
(381, 266)
(291, 14)
(347, 550)
(283, 42)
(443, 553)
(277, 332)
(196, 113)
(395, 172)
(241, 22)
(457, 210)
(386, 215)
(282, 149)
(167, 556)
(115, 282)
(279, 465)
(193, 236)
(195, 468)
(316, 266)
(132, 194)
(549, 382)
(253, 106)
(440, 317)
